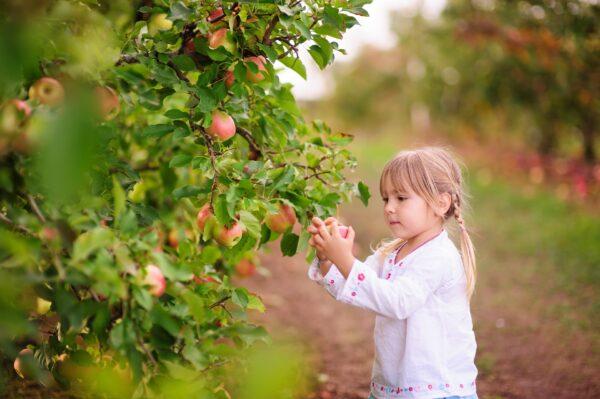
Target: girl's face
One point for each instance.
(407, 214)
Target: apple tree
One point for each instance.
(148, 150)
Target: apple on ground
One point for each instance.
(25, 364)
(260, 62)
(156, 280)
(228, 236)
(47, 91)
(245, 268)
(43, 306)
(159, 22)
(222, 126)
(282, 220)
(220, 38)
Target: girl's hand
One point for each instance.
(314, 230)
(333, 246)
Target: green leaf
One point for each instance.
(295, 65)
(91, 241)
(187, 191)
(179, 11)
(176, 114)
(119, 198)
(157, 130)
(303, 29)
(179, 272)
(363, 189)
(161, 317)
(318, 55)
(289, 244)
(251, 223)
(239, 296)
(255, 303)
(184, 62)
(206, 100)
(180, 160)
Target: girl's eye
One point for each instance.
(401, 198)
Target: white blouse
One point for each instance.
(424, 340)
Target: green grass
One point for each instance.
(560, 241)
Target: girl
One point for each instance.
(418, 284)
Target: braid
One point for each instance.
(457, 215)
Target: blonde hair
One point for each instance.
(430, 172)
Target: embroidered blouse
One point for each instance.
(424, 340)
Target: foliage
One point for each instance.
(527, 68)
(105, 167)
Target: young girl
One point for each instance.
(418, 284)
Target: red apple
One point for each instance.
(203, 215)
(245, 268)
(203, 279)
(228, 236)
(49, 234)
(47, 91)
(260, 62)
(281, 221)
(222, 126)
(229, 78)
(109, 102)
(13, 115)
(219, 38)
(156, 280)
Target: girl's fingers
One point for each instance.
(323, 232)
(318, 241)
(330, 220)
(334, 227)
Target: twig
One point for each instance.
(266, 38)
(35, 208)
(22, 229)
(248, 136)
(219, 302)
(211, 151)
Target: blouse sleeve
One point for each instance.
(334, 281)
(397, 298)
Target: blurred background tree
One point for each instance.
(527, 72)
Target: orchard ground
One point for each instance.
(535, 309)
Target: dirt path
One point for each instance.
(522, 352)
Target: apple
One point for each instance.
(43, 306)
(138, 193)
(156, 280)
(245, 268)
(49, 234)
(14, 113)
(282, 220)
(219, 38)
(228, 236)
(260, 62)
(159, 22)
(222, 126)
(109, 102)
(229, 78)
(47, 91)
(204, 214)
(203, 279)
(25, 365)
(173, 238)
(215, 15)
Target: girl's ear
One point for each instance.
(444, 201)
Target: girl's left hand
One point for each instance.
(335, 247)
